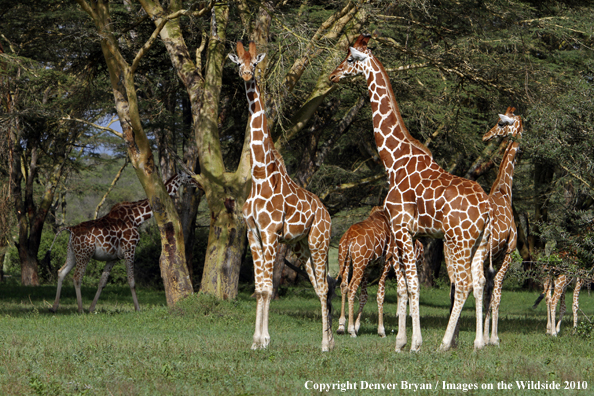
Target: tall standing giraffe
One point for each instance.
(504, 236)
(278, 210)
(364, 242)
(110, 238)
(424, 200)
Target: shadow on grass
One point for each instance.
(19, 300)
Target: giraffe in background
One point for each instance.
(424, 200)
(110, 238)
(504, 236)
(554, 293)
(362, 244)
(278, 210)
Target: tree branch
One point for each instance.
(113, 131)
(113, 183)
(346, 186)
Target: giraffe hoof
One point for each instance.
(52, 310)
(340, 330)
(382, 335)
(254, 346)
(444, 347)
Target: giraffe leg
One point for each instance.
(256, 249)
(456, 257)
(558, 295)
(406, 249)
(402, 303)
(461, 292)
(358, 272)
(344, 291)
(562, 309)
(478, 286)
(576, 300)
(269, 248)
(102, 283)
(66, 268)
(129, 255)
(315, 267)
(496, 301)
(362, 301)
(381, 293)
(79, 272)
(548, 299)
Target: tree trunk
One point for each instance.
(189, 209)
(224, 253)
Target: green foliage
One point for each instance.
(585, 329)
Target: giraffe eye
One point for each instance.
(350, 59)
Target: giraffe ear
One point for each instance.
(234, 59)
(259, 58)
(357, 55)
(506, 120)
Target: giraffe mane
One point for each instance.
(396, 109)
(361, 45)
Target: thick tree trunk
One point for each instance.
(173, 264)
(189, 209)
(29, 265)
(224, 253)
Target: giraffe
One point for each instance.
(277, 211)
(110, 238)
(363, 243)
(424, 200)
(504, 234)
(554, 292)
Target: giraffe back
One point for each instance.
(369, 240)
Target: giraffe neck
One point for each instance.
(261, 145)
(173, 184)
(136, 213)
(141, 212)
(503, 183)
(391, 136)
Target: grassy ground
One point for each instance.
(203, 347)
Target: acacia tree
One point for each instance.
(172, 261)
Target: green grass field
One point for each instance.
(202, 347)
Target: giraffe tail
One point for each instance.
(538, 300)
(490, 276)
(46, 262)
(344, 257)
(56, 237)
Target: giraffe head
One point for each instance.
(354, 62)
(247, 60)
(508, 124)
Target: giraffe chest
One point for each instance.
(283, 208)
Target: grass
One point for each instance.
(202, 346)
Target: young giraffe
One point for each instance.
(278, 210)
(110, 238)
(363, 243)
(424, 200)
(504, 235)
